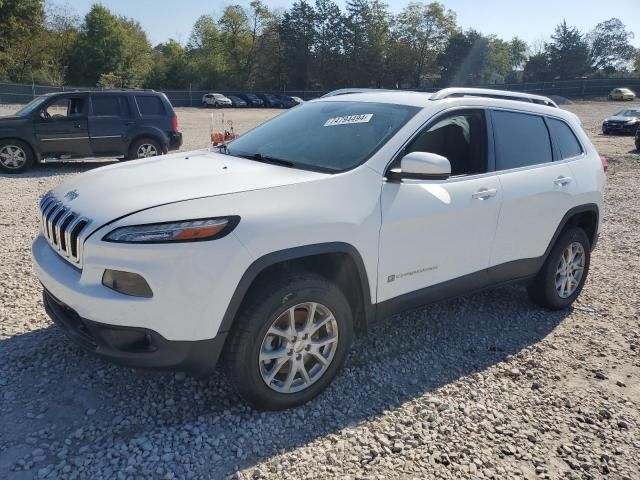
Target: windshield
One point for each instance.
(32, 106)
(325, 136)
(628, 113)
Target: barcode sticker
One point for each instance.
(348, 120)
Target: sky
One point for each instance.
(531, 20)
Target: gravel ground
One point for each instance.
(487, 386)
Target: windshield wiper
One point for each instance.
(258, 157)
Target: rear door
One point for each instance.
(537, 186)
(110, 124)
(61, 127)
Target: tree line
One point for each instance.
(312, 45)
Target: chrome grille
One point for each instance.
(62, 227)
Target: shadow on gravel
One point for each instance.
(97, 407)
(54, 168)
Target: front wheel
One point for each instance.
(15, 156)
(290, 340)
(564, 272)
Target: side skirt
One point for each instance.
(510, 272)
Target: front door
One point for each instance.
(61, 127)
(434, 231)
(110, 122)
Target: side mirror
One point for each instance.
(421, 166)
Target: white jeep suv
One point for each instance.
(273, 251)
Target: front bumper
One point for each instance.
(133, 346)
(620, 128)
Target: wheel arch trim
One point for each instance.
(585, 208)
(296, 253)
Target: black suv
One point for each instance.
(113, 123)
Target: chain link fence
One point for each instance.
(20, 93)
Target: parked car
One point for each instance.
(270, 100)
(237, 101)
(298, 100)
(638, 139)
(112, 123)
(252, 99)
(621, 94)
(625, 121)
(313, 226)
(287, 101)
(215, 100)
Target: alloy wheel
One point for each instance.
(298, 348)
(146, 150)
(12, 156)
(570, 269)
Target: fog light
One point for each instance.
(127, 283)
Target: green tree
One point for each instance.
(21, 38)
(61, 36)
(610, 47)
(299, 36)
(205, 52)
(170, 67)
(537, 68)
(568, 52)
(424, 30)
(463, 59)
(329, 28)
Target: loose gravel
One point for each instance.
(488, 386)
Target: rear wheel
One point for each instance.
(564, 273)
(15, 156)
(143, 148)
(290, 340)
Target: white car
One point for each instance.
(312, 226)
(216, 100)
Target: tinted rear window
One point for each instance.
(565, 139)
(150, 105)
(110, 106)
(521, 140)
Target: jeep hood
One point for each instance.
(111, 192)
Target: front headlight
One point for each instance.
(632, 121)
(182, 231)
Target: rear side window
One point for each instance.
(521, 140)
(110, 105)
(564, 138)
(150, 105)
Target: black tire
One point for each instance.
(267, 301)
(542, 289)
(134, 152)
(605, 131)
(10, 146)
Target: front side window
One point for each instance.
(521, 140)
(564, 139)
(460, 137)
(64, 107)
(325, 136)
(110, 105)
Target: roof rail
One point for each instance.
(492, 93)
(346, 91)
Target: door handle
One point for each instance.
(562, 181)
(484, 193)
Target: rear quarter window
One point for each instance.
(564, 139)
(521, 140)
(150, 105)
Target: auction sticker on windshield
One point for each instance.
(348, 120)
